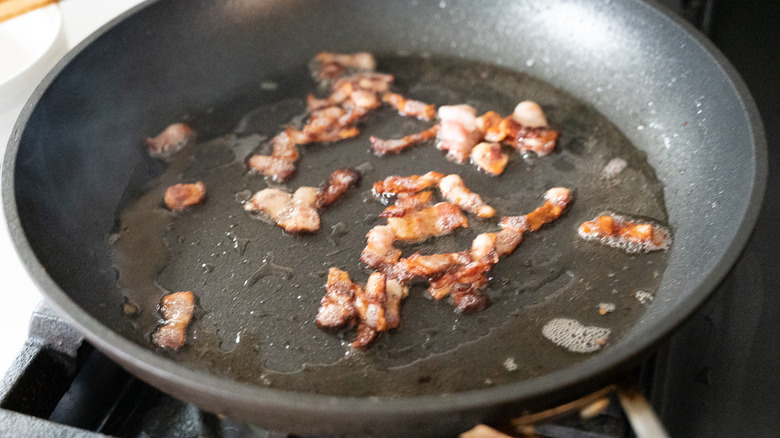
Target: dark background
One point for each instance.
(720, 375)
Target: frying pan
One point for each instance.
(74, 161)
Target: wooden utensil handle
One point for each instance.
(13, 8)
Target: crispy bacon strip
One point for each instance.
(461, 274)
(630, 235)
(489, 157)
(458, 133)
(492, 126)
(407, 202)
(337, 308)
(280, 165)
(340, 181)
(278, 169)
(393, 185)
(419, 225)
(330, 66)
(294, 213)
(177, 309)
(540, 140)
(396, 292)
(556, 201)
(454, 190)
(382, 147)
(179, 196)
(370, 304)
(512, 227)
(379, 252)
(365, 337)
(409, 107)
(171, 140)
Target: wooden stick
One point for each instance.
(13, 8)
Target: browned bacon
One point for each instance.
(177, 309)
(458, 133)
(461, 273)
(407, 202)
(409, 107)
(419, 225)
(630, 235)
(337, 308)
(365, 337)
(540, 140)
(339, 182)
(379, 252)
(329, 66)
(370, 304)
(382, 147)
(278, 169)
(294, 213)
(556, 201)
(454, 190)
(396, 292)
(375, 309)
(179, 196)
(171, 140)
(393, 185)
(489, 157)
(280, 165)
(492, 126)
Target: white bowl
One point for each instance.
(30, 45)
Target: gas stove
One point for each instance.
(716, 376)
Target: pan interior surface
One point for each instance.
(259, 288)
(67, 173)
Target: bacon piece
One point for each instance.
(628, 234)
(339, 182)
(409, 107)
(337, 307)
(280, 165)
(489, 157)
(464, 272)
(382, 147)
(177, 309)
(428, 266)
(540, 140)
(370, 304)
(469, 299)
(483, 245)
(556, 201)
(407, 202)
(329, 66)
(379, 252)
(419, 225)
(507, 240)
(393, 185)
(294, 213)
(179, 196)
(365, 337)
(171, 140)
(492, 126)
(278, 169)
(529, 114)
(454, 190)
(396, 292)
(458, 133)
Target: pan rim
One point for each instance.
(587, 373)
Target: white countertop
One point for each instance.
(18, 293)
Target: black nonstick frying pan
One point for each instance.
(608, 73)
